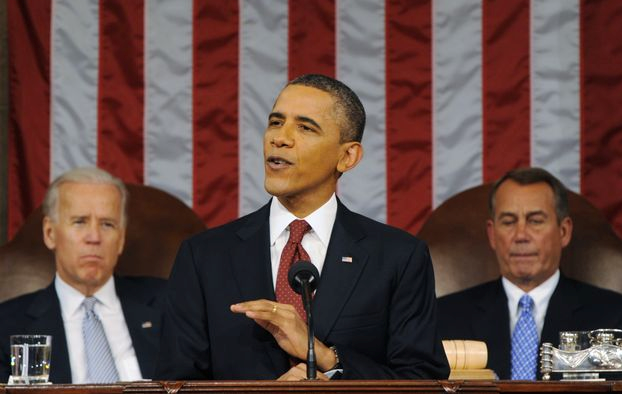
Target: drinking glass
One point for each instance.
(30, 358)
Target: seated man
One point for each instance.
(532, 302)
(230, 310)
(84, 224)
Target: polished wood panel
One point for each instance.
(343, 386)
(65, 389)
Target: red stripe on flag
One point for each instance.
(311, 37)
(121, 88)
(409, 112)
(215, 110)
(601, 103)
(506, 90)
(29, 117)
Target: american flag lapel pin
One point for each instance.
(346, 259)
(147, 324)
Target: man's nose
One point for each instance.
(93, 234)
(283, 137)
(522, 233)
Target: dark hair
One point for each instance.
(529, 176)
(347, 104)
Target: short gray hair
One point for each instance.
(84, 175)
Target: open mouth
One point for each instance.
(277, 162)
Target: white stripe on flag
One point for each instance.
(555, 112)
(361, 65)
(263, 73)
(74, 76)
(457, 97)
(168, 97)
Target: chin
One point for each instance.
(93, 276)
(91, 279)
(525, 277)
(275, 190)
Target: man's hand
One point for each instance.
(281, 320)
(287, 327)
(299, 372)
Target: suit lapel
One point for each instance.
(559, 313)
(47, 320)
(338, 278)
(251, 260)
(252, 271)
(492, 325)
(143, 323)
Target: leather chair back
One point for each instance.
(462, 258)
(157, 223)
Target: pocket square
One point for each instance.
(147, 324)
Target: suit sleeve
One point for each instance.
(5, 361)
(185, 346)
(414, 349)
(12, 313)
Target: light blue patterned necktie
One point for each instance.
(99, 361)
(525, 342)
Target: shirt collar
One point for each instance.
(71, 299)
(321, 220)
(107, 294)
(540, 295)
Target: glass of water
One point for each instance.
(30, 358)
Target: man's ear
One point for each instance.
(490, 231)
(565, 230)
(122, 243)
(49, 235)
(350, 155)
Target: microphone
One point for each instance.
(301, 271)
(303, 278)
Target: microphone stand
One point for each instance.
(311, 362)
(303, 278)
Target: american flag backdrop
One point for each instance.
(175, 94)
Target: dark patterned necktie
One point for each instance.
(292, 252)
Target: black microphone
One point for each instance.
(303, 278)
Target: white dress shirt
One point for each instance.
(541, 296)
(315, 241)
(111, 315)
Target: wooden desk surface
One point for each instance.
(359, 386)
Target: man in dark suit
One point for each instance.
(528, 227)
(84, 224)
(229, 315)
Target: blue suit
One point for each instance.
(379, 310)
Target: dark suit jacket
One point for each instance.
(39, 313)
(481, 313)
(379, 310)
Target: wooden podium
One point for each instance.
(343, 386)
